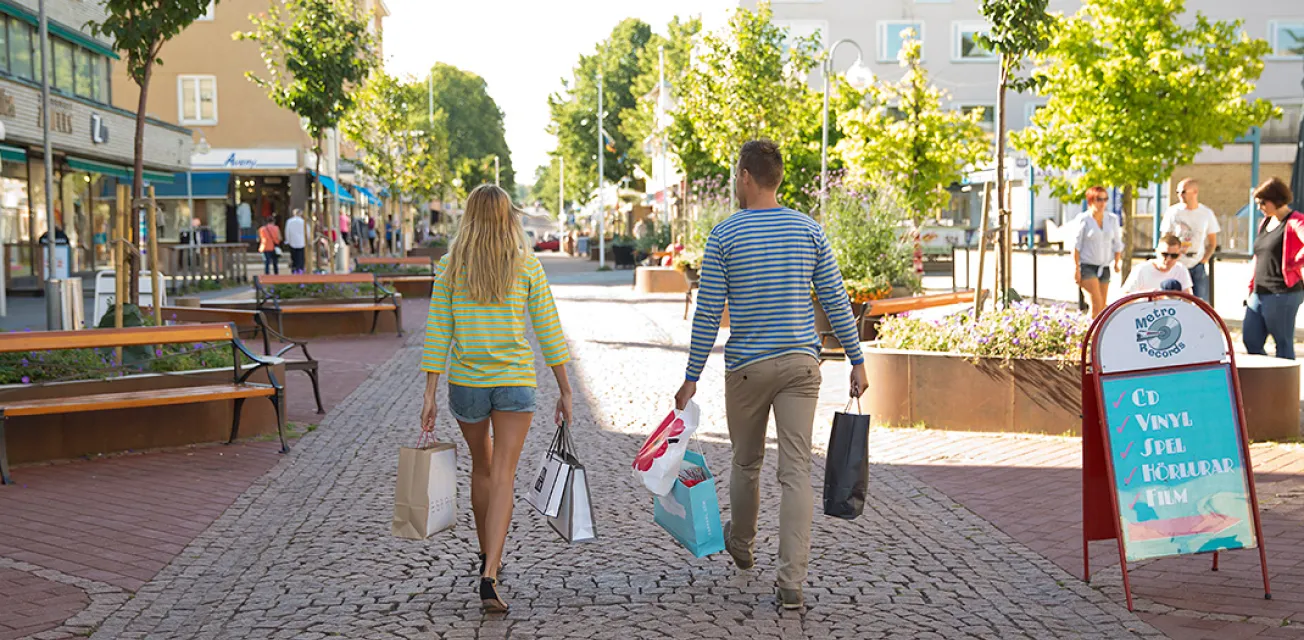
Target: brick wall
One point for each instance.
(1225, 188)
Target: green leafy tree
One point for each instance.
(901, 132)
(400, 143)
(574, 110)
(640, 124)
(1134, 92)
(475, 128)
(748, 83)
(139, 29)
(317, 52)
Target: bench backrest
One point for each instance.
(109, 338)
(241, 318)
(317, 278)
(418, 260)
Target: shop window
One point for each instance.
(4, 44)
(21, 58)
(891, 37)
(64, 67)
(197, 99)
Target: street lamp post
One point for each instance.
(602, 214)
(859, 76)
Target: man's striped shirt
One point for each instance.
(486, 342)
(764, 262)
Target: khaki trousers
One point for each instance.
(790, 385)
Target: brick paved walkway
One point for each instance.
(306, 551)
(80, 537)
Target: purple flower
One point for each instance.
(23, 362)
(27, 380)
(158, 353)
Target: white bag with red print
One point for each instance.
(658, 460)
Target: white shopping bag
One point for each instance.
(658, 460)
(425, 498)
(574, 521)
(549, 481)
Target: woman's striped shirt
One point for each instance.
(764, 262)
(486, 342)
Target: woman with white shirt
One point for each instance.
(1152, 274)
(1098, 241)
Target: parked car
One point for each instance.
(549, 244)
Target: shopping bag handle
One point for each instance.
(848, 407)
(425, 439)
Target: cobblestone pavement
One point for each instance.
(306, 552)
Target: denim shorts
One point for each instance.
(1090, 271)
(474, 404)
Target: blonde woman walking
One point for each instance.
(488, 282)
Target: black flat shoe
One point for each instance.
(489, 600)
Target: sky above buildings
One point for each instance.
(522, 48)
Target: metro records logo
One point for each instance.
(1159, 333)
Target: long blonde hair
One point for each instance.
(489, 247)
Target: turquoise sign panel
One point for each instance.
(1174, 438)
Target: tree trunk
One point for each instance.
(982, 250)
(137, 190)
(1002, 204)
(310, 249)
(1129, 238)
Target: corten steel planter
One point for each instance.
(951, 391)
(73, 435)
(408, 288)
(659, 280)
(868, 330)
(321, 325)
(433, 253)
(1270, 392)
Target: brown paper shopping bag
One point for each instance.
(425, 498)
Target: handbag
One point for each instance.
(846, 469)
(574, 519)
(545, 493)
(690, 511)
(425, 497)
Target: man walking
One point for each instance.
(297, 239)
(763, 260)
(1197, 227)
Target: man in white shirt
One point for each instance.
(1197, 227)
(297, 239)
(1152, 274)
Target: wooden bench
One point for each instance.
(238, 390)
(252, 324)
(411, 285)
(891, 307)
(382, 299)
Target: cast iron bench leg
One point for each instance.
(235, 419)
(316, 388)
(280, 421)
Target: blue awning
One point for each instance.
(203, 185)
(334, 189)
(371, 197)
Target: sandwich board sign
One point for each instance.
(1165, 455)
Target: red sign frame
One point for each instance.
(1101, 517)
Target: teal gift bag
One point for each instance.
(691, 512)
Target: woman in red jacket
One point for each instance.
(1277, 287)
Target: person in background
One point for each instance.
(344, 227)
(487, 284)
(1098, 242)
(269, 238)
(1197, 227)
(765, 260)
(297, 238)
(1277, 287)
(1151, 275)
(371, 233)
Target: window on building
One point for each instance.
(1286, 38)
(100, 79)
(21, 60)
(64, 66)
(85, 84)
(197, 99)
(4, 43)
(964, 44)
(208, 15)
(804, 29)
(988, 121)
(1284, 129)
(1030, 112)
(891, 38)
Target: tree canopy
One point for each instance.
(474, 124)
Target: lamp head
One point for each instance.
(859, 76)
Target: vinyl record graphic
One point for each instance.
(1162, 334)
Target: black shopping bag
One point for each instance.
(846, 472)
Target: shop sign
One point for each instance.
(60, 117)
(7, 108)
(237, 159)
(99, 129)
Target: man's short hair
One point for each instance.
(1170, 239)
(762, 159)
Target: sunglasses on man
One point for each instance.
(1172, 256)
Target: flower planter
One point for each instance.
(408, 288)
(952, 391)
(73, 435)
(434, 253)
(868, 330)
